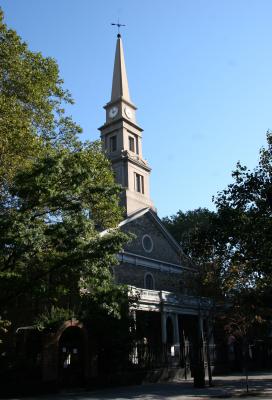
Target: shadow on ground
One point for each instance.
(224, 387)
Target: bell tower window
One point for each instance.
(113, 143)
(139, 183)
(131, 144)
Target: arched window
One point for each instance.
(149, 282)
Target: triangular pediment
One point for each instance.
(152, 240)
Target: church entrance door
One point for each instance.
(71, 357)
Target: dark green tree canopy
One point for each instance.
(198, 232)
(245, 211)
(232, 246)
(32, 102)
(57, 197)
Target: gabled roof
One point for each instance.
(164, 231)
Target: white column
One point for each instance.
(176, 329)
(133, 318)
(201, 327)
(210, 332)
(134, 353)
(176, 336)
(163, 327)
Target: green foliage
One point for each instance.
(194, 230)
(232, 246)
(247, 315)
(106, 299)
(198, 233)
(4, 325)
(53, 319)
(107, 313)
(50, 226)
(244, 209)
(57, 195)
(31, 104)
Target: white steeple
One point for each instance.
(122, 139)
(119, 80)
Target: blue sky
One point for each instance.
(198, 70)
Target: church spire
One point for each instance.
(122, 139)
(119, 81)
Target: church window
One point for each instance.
(147, 243)
(131, 144)
(113, 143)
(139, 183)
(149, 282)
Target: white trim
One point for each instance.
(151, 241)
(165, 231)
(136, 259)
(134, 216)
(131, 218)
(170, 302)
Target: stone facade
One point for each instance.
(164, 260)
(162, 250)
(129, 274)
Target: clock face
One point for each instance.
(113, 112)
(128, 112)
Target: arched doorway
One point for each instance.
(72, 357)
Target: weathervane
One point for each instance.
(119, 26)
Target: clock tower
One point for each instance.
(122, 140)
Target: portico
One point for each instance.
(171, 306)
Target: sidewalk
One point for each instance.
(260, 386)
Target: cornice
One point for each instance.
(121, 99)
(164, 301)
(139, 260)
(121, 119)
(125, 156)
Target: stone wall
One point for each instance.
(134, 275)
(162, 249)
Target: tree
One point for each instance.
(232, 248)
(198, 232)
(244, 209)
(59, 203)
(50, 234)
(245, 212)
(31, 105)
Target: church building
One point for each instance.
(168, 313)
(169, 319)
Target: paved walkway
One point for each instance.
(260, 385)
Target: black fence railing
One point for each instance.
(219, 357)
(145, 356)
